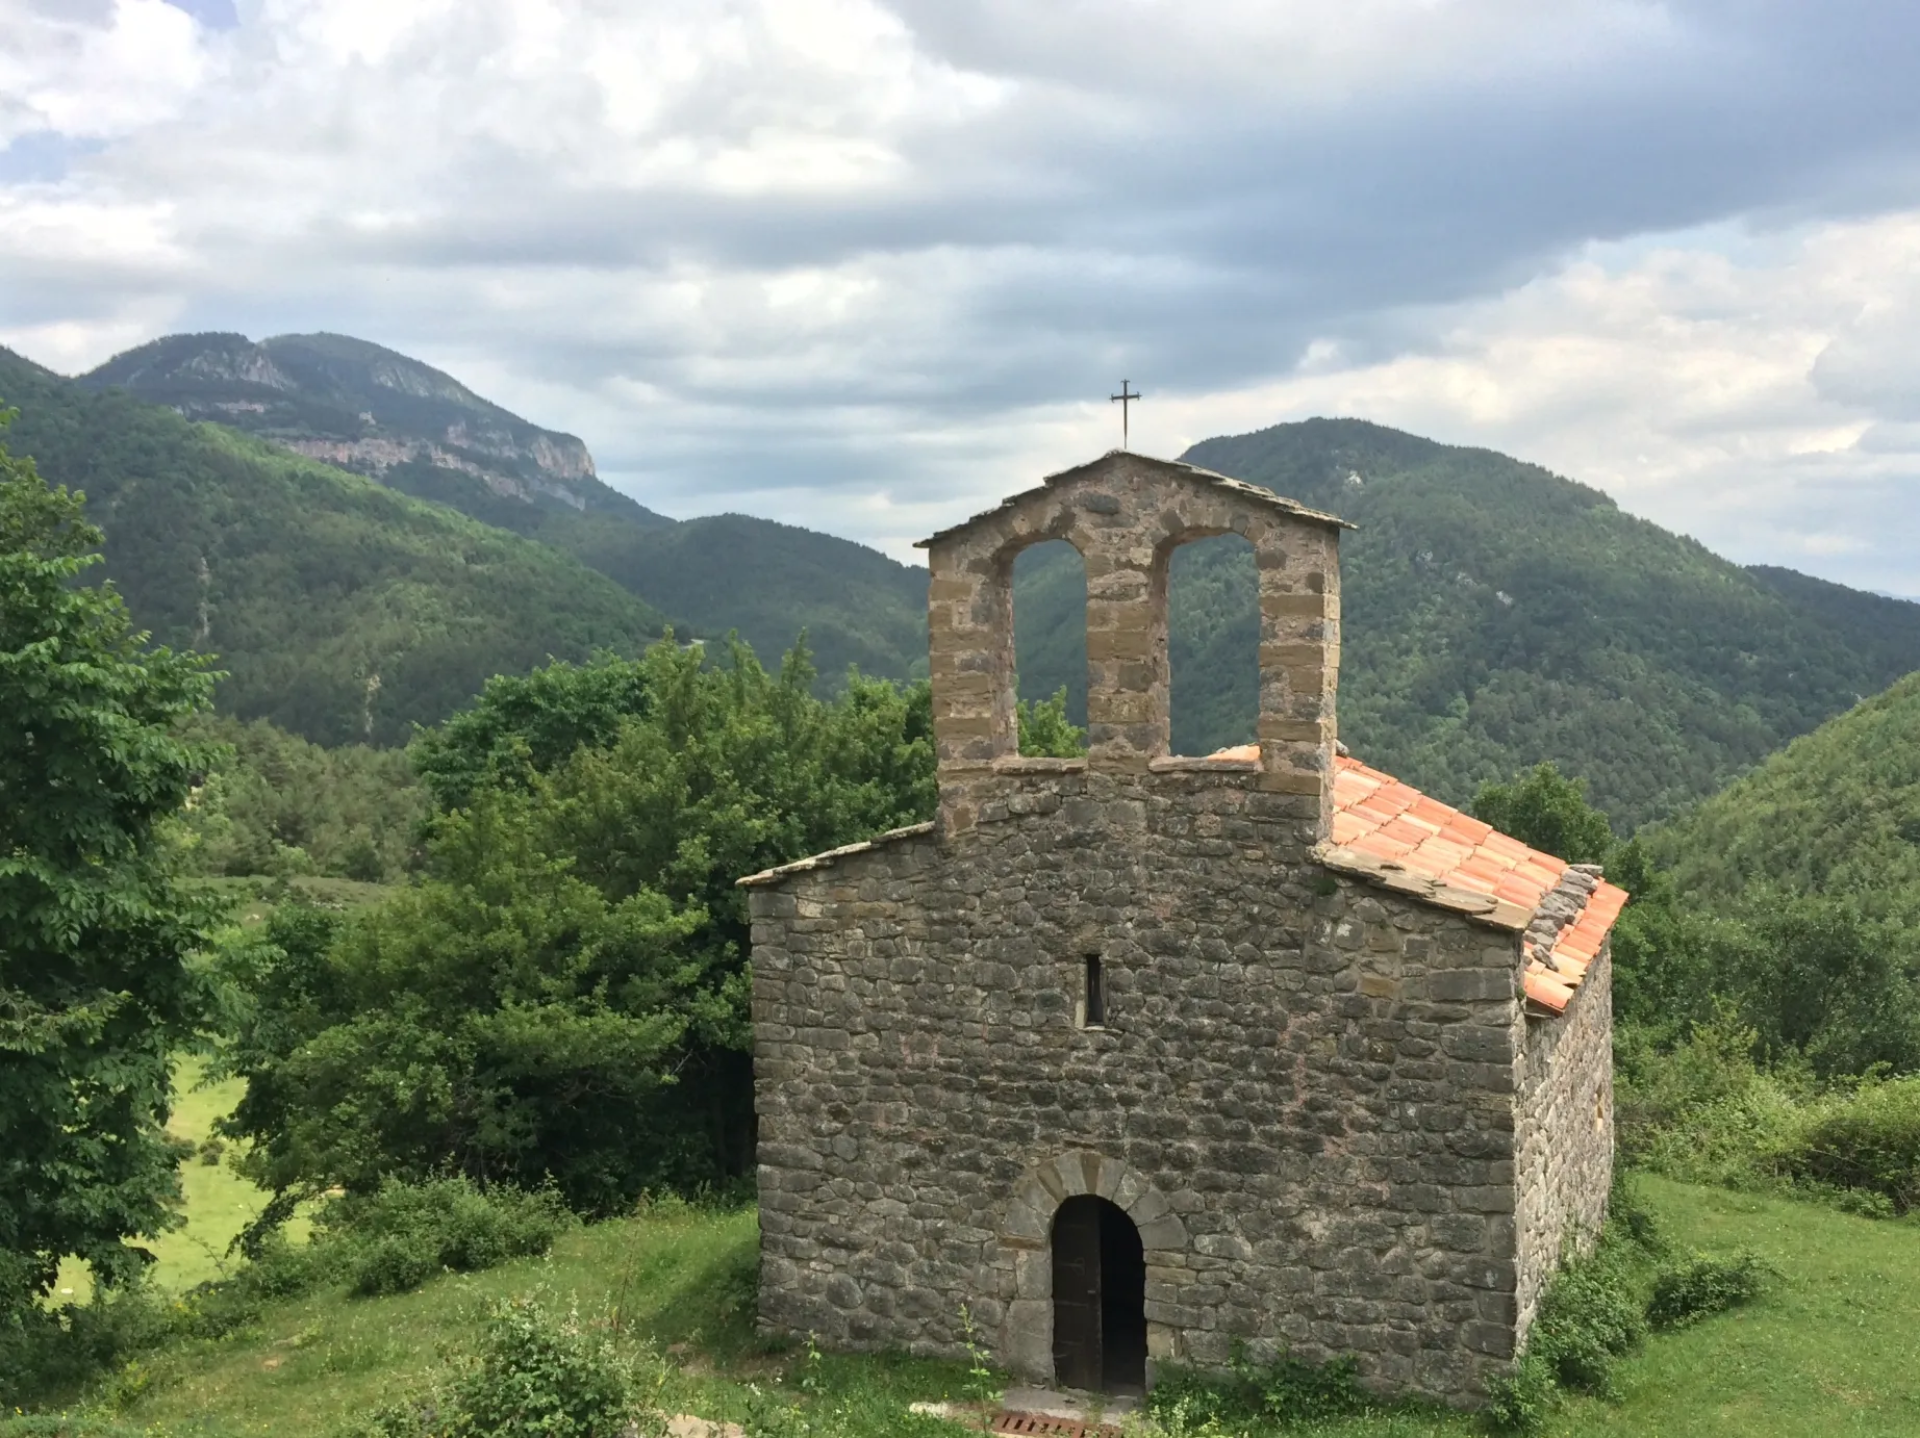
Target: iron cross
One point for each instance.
(1125, 401)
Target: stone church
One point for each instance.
(1137, 1057)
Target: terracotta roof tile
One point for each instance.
(1376, 815)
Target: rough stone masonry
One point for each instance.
(1317, 1089)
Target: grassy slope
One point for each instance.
(1837, 810)
(1831, 1350)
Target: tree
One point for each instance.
(565, 994)
(1045, 732)
(95, 930)
(1548, 811)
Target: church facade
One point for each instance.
(1128, 1060)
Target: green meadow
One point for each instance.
(1831, 1349)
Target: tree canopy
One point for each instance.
(96, 991)
(565, 993)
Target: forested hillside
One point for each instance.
(1836, 812)
(769, 581)
(417, 430)
(1496, 615)
(341, 610)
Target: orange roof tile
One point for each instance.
(1377, 816)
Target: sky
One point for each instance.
(868, 265)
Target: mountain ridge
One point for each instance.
(1496, 614)
(363, 407)
(342, 609)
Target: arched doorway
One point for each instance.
(1099, 1298)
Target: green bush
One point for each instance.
(1868, 1140)
(1703, 1111)
(1703, 1286)
(402, 1234)
(534, 1373)
(1589, 1316)
(1524, 1400)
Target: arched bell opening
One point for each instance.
(1099, 1298)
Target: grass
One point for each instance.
(1830, 1350)
(218, 1201)
(1833, 1349)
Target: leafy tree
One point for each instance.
(1044, 730)
(565, 994)
(95, 989)
(276, 804)
(1818, 979)
(526, 724)
(1550, 812)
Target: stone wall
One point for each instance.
(1564, 1131)
(1303, 1094)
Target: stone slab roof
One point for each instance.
(1191, 472)
(831, 856)
(1393, 834)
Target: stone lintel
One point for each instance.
(1038, 764)
(1182, 764)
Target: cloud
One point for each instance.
(1755, 405)
(862, 265)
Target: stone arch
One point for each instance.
(1125, 514)
(1025, 1255)
(1235, 649)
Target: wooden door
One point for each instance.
(1077, 1346)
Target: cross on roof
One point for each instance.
(1125, 401)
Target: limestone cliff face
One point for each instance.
(358, 405)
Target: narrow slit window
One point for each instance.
(1096, 1001)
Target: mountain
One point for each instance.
(768, 581)
(1495, 615)
(379, 413)
(374, 411)
(1836, 811)
(341, 609)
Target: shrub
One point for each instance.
(50, 1354)
(1702, 1286)
(534, 1373)
(1589, 1316)
(1868, 1140)
(402, 1234)
(1524, 1400)
(1703, 1112)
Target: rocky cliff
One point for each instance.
(366, 408)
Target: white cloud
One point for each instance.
(1745, 404)
(94, 68)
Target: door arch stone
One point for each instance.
(1025, 1254)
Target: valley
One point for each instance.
(454, 853)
